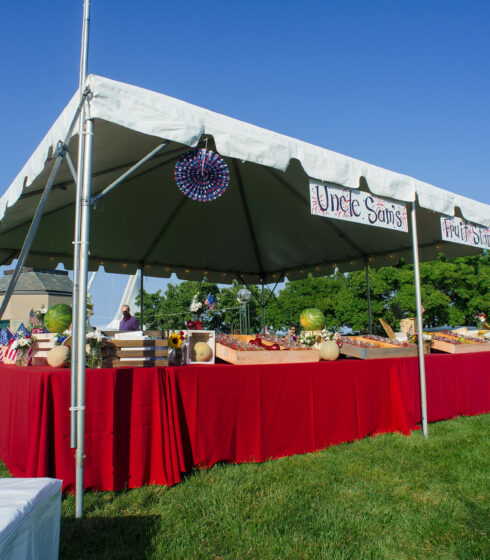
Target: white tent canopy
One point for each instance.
(260, 229)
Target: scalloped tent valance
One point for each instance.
(261, 228)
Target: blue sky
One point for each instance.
(400, 84)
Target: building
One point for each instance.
(35, 287)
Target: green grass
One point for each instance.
(389, 497)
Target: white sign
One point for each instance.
(460, 231)
(356, 206)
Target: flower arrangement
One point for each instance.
(90, 306)
(175, 340)
(196, 305)
(36, 316)
(176, 354)
(61, 337)
(413, 338)
(330, 335)
(309, 338)
(95, 342)
(481, 318)
(23, 344)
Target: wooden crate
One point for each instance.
(408, 325)
(135, 353)
(383, 350)
(252, 357)
(40, 348)
(467, 347)
(194, 336)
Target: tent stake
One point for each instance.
(81, 317)
(420, 330)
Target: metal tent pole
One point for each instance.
(82, 313)
(141, 298)
(263, 307)
(76, 240)
(420, 330)
(370, 326)
(60, 156)
(30, 237)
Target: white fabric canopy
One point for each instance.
(261, 227)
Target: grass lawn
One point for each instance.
(389, 497)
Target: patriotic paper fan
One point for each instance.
(202, 175)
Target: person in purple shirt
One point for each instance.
(128, 322)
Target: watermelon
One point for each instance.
(312, 319)
(58, 318)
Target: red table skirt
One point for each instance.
(150, 425)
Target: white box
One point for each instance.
(191, 337)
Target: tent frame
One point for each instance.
(83, 203)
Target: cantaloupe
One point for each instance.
(202, 352)
(59, 356)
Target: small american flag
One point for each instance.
(5, 337)
(11, 353)
(33, 320)
(210, 302)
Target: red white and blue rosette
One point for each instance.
(202, 175)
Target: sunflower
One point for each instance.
(175, 340)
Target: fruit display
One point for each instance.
(458, 343)
(255, 349)
(368, 347)
(58, 318)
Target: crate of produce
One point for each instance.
(459, 343)
(138, 352)
(370, 347)
(237, 349)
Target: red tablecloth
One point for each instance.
(150, 425)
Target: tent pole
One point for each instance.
(263, 307)
(33, 229)
(76, 240)
(127, 173)
(60, 156)
(141, 298)
(420, 330)
(81, 317)
(370, 326)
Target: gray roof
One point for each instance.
(39, 281)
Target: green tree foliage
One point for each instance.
(453, 291)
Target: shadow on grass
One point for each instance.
(108, 537)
